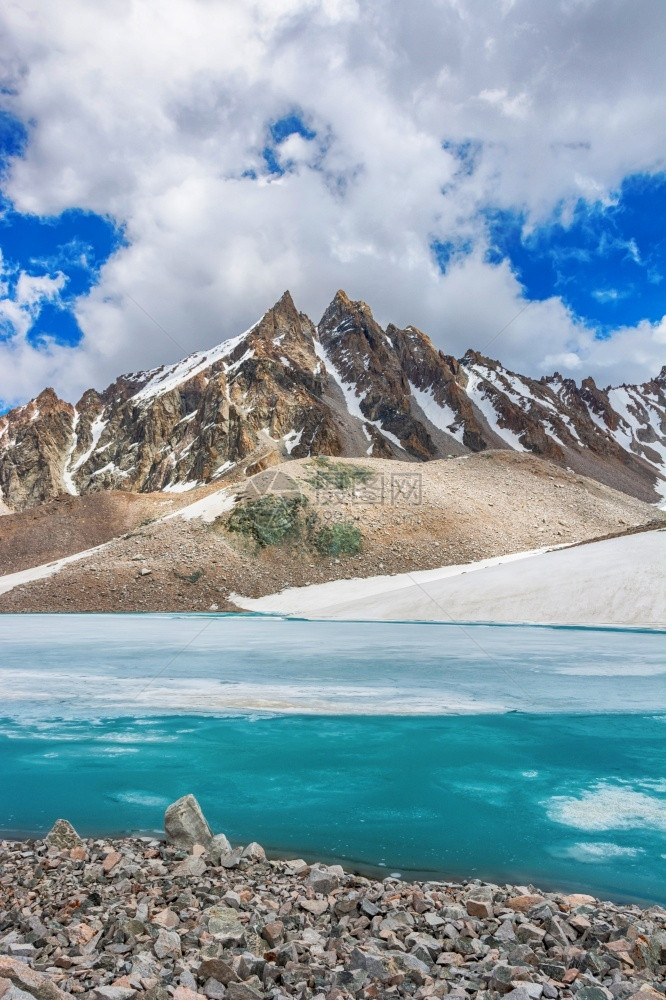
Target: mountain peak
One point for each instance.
(285, 389)
(285, 301)
(342, 305)
(341, 299)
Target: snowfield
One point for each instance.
(620, 581)
(11, 580)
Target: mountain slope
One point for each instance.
(287, 389)
(175, 552)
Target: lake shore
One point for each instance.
(136, 917)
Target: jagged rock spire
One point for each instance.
(285, 389)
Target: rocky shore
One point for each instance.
(145, 919)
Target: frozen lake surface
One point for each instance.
(511, 753)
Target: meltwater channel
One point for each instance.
(520, 754)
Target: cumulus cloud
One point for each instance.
(20, 306)
(160, 117)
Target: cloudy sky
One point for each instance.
(168, 169)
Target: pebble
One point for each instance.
(141, 919)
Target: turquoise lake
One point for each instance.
(511, 753)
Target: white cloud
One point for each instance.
(33, 289)
(19, 307)
(151, 113)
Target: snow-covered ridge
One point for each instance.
(443, 416)
(353, 398)
(477, 393)
(174, 375)
(349, 390)
(222, 404)
(67, 478)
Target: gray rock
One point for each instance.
(190, 868)
(558, 932)
(375, 965)
(412, 967)
(144, 965)
(505, 932)
(520, 993)
(425, 941)
(231, 860)
(113, 993)
(214, 989)
(167, 945)
(10, 992)
(534, 990)
(250, 965)
(218, 847)
(470, 946)
(501, 978)
(528, 933)
(254, 852)
(63, 836)
(480, 894)
(242, 991)
(594, 993)
(185, 825)
(554, 970)
(657, 947)
(187, 980)
(21, 949)
(351, 980)
(223, 920)
(397, 921)
(297, 866)
(324, 879)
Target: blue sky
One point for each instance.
(75, 244)
(607, 262)
(447, 170)
(278, 131)
(69, 248)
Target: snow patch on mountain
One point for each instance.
(478, 395)
(171, 377)
(443, 416)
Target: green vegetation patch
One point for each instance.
(341, 539)
(277, 520)
(322, 472)
(190, 577)
(269, 520)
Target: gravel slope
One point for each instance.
(459, 511)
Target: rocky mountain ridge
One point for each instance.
(288, 389)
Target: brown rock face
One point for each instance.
(34, 440)
(286, 389)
